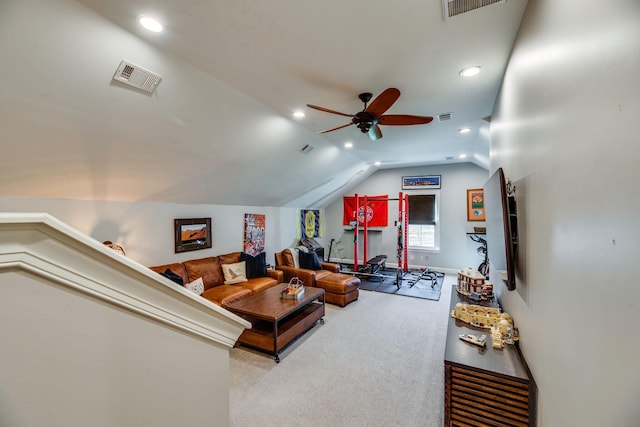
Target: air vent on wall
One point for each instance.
(137, 77)
(452, 8)
(306, 149)
(444, 117)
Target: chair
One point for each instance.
(340, 289)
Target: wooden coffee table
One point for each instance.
(275, 321)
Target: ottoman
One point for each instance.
(340, 289)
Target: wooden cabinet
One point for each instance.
(484, 386)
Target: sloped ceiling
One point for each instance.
(219, 128)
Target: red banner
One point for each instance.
(377, 211)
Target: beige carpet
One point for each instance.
(376, 362)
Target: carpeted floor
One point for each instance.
(377, 362)
(410, 286)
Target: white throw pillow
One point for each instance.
(196, 286)
(234, 273)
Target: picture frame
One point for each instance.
(421, 182)
(192, 234)
(475, 205)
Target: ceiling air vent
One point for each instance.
(452, 8)
(444, 117)
(307, 148)
(137, 77)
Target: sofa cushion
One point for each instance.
(225, 294)
(208, 268)
(258, 284)
(309, 260)
(230, 258)
(234, 273)
(176, 268)
(290, 257)
(256, 265)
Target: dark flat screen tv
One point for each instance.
(502, 227)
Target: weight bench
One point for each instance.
(374, 265)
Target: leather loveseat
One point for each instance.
(340, 289)
(211, 271)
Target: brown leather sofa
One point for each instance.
(210, 269)
(340, 289)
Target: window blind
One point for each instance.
(422, 209)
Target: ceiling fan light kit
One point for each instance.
(372, 115)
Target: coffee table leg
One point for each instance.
(276, 355)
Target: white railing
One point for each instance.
(90, 337)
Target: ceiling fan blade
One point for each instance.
(336, 128)
(383, 102)
(375, 133)
(403, 120)
(326, 110)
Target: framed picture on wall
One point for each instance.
(192, 234)
(421, 182)
(475, 205)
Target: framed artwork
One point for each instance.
(192, 234)
(254, 233)
(421, 182)
(475, 205)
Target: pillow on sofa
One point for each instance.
(234, 273)
(196, 286)
(310, 260)
(256, 265)
(173, 276)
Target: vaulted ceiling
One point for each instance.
(218, 129)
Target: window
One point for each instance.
(423, 222)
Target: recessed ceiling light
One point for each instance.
(150, 24)
(464, 130)
(298, 114)
(471, 71)
(378, 163)
(462, 156)
(348, 145)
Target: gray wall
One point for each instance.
(145, 229)
(565, 130)
(456, 249)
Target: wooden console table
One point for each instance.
(484, 386)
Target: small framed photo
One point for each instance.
(421, 182)
(192, 234)
(475, 205)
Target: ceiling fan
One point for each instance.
(369, 119)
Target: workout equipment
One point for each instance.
(373, 266)
(426, 274)
(401, 224)
(483, 268)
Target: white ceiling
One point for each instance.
(219, 127)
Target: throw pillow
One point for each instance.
(256, 265)
(234, 273)
(196, 286)
(173, 276)
(310, 260)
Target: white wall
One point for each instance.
(69, 361)
(565, 131)
(456, 249)
(145, 229)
